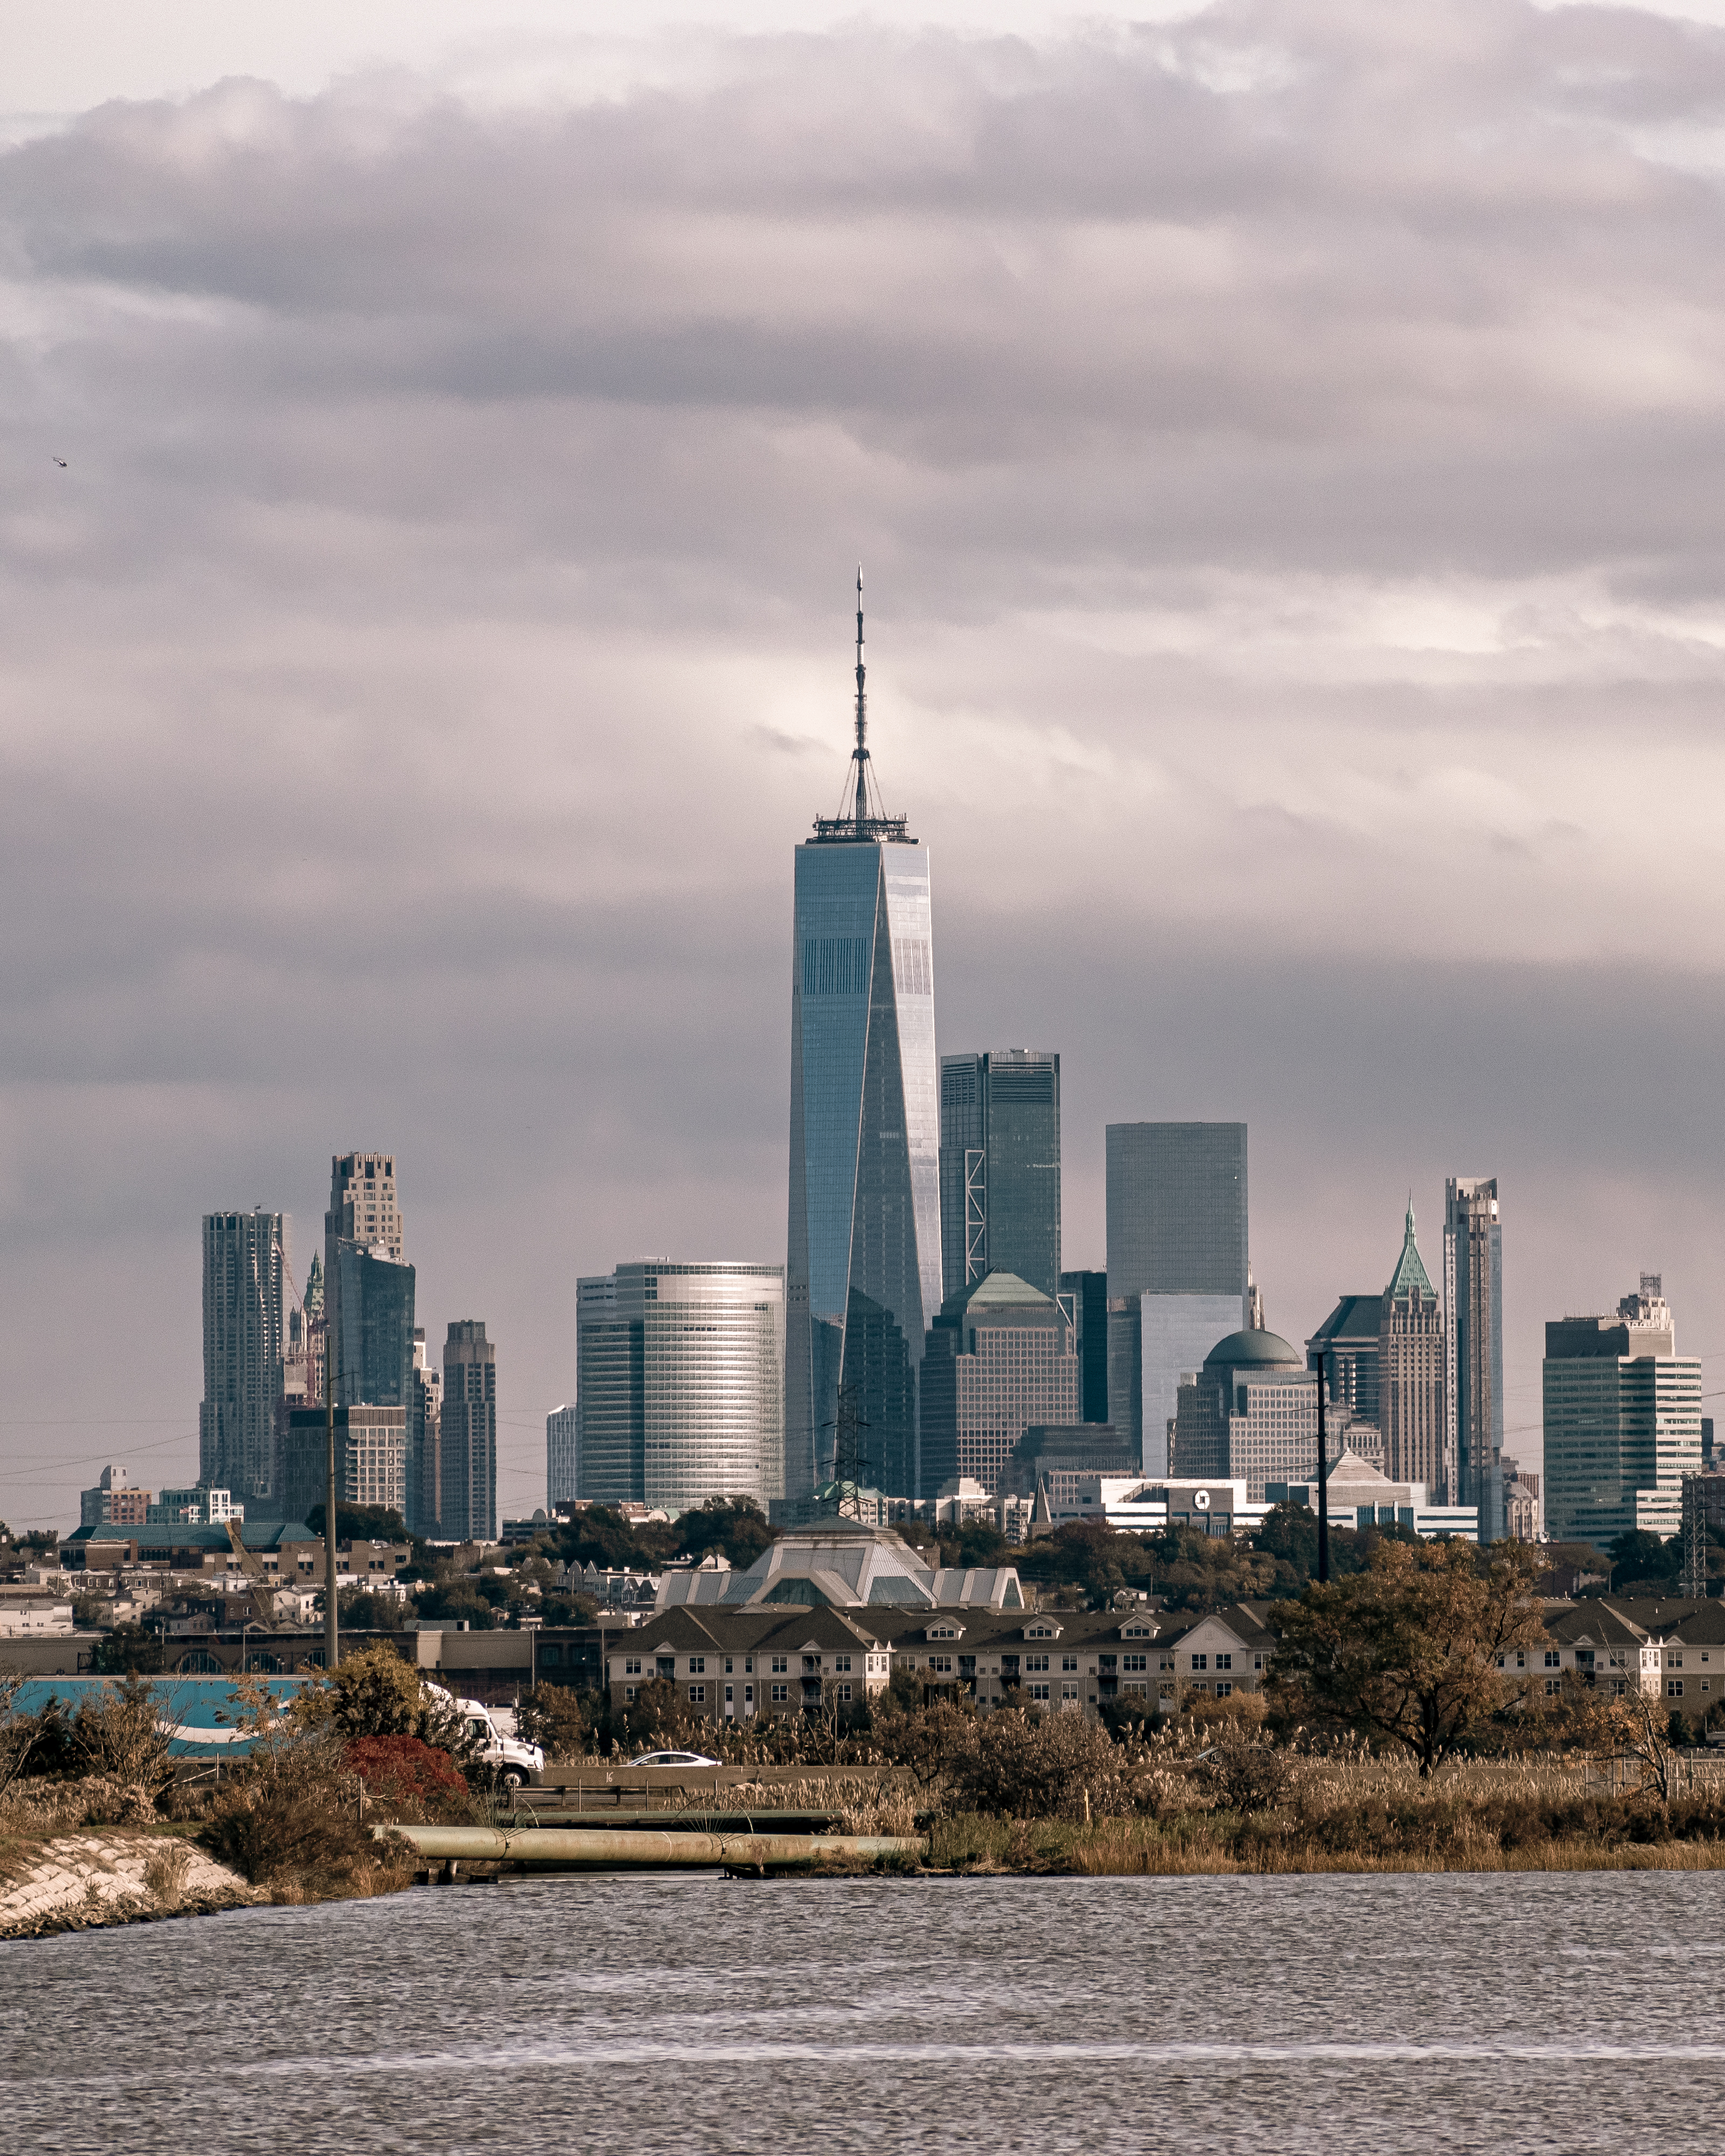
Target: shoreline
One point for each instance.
(99, 1878)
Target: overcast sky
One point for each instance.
(1285, 446)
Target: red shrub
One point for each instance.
(408, 1777)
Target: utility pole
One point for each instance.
(331, 1650)
(1323, 1478)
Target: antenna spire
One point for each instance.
(860, 754)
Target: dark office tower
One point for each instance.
(374, 1349)
(1473, 1297)
(468, 1500)
(1000, 1168)
(363, 1211)
(1086, 1296)
(1177, 1268)
(863, 1275)
(1349, 1340)
(246, 1286)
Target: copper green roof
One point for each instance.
(1410, 1277)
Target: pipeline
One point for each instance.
(606, 1849)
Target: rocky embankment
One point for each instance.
(80, 1881)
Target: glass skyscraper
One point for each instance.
(1473, 1297)
(679, 1385)
(863, 1278)
(1177, 1266)
(1000, 1168)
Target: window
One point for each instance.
(1674, 1688)
(727, 1665)
(1134, 1662)
(697, 1666)
(1200, 1661)
(781, 1692)
(1036, 1661)
(632, 1668)
(1039, 1691)
(1552, 1687)
(941, 1664)
(1069, 1691)
(1225, 1661)
(842, 1663)
(667, 1665)
(628, 1691)
(1676, 1661)
(1069, 1662)
(1257, 1661)
(1553, 1659)
(749, 1665)
(781, 1666)
(1223, 1689)
(844, 1695)
(697, 1695)
(748, 1694)
(730, 1695)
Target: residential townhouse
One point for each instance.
(1674, 1649)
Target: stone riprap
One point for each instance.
(76, 1881)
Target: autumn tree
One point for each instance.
(1413, 1649)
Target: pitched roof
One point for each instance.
(1410, 1276)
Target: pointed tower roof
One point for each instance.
(863, 820)
(1410, 1276)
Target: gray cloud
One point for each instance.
(1285, 450)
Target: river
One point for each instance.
(1509, 2012)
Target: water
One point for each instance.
(1522, 2013)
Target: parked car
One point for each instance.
(673, 1759)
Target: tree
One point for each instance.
(1409, 1649)
(126, 1651)
(561, 1720)
(735, 1527)
(375, 1693)
(126, 1734)
(1638, 1554)
(364, 1524)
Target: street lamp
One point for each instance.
(1314, 1361)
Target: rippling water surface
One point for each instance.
(1567, 2013)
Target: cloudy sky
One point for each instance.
(1285, 443)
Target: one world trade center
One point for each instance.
(862, 1278)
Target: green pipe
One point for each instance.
(582, 1849)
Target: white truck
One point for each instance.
(513, 1765)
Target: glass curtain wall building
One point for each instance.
(863, 1276)
(1178, 1265)
(1473, 1297)
(679, 1385)
(247, 1282)
(1086, 1295)
(376, 1342)
(1000, 1168)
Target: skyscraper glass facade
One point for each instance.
(1000, 1168)
(246, 1282)
(679, 1383)
(1087, 1295)
(864, 1271)
(1473, 1294)
(375, 1345)
(1177, 1227)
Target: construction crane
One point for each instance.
(262, 1589)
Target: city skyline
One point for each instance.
(1223, 641)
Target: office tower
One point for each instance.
(374, 1349)
(426, 1443)
(245, 1285)
(362, 1211)
(562, 1458)
(1349, 1340)
(864, 1271)
(1177, 1266)
(1249, 1414)
(1085, 1296)
(467, 1496)
(1000, 1168)
(371, 1458)
(1411, 1371)
(1473, 1388)
(1622, 1421)
(999, 1357)
(679, 1383)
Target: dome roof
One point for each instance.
(1252, 1346)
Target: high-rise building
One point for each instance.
(1622, 1421)
(678, 1383)
(563, 1457)
(999, 1358)
(467, 1499)
(1349, 1340)
(362, 1210)
(371, 1458)
(1249, 1415)
(1000, 1168)
(426, 1443)
(863, 1276)
(1178, 1272)
(1411, 1371)
(374, 1362)
(113, 1502)
(1086, 1295)
(246, 1275)
(1473, 1388)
